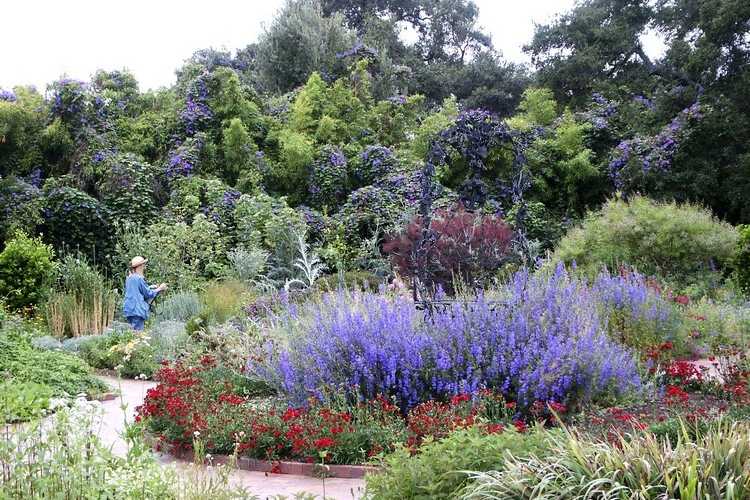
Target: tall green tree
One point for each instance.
(299, 41)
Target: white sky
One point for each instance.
(44, 39)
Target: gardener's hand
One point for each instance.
(161, 287)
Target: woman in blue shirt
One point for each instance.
(138, 294)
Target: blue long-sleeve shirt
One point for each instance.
(137, 297)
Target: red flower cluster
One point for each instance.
(675, 395)
(188, 399)
(684, 372)
(683, 300)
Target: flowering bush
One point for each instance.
(374, 164)
(635, 158)
(545, 341)
(73, 220)
(70, 102)
(368, 210)
(467, 247)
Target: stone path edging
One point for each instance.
(284, 467)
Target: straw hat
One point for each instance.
(137, 261)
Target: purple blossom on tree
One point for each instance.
(7, 95)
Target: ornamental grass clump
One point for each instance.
(715, 464)
(544, 341)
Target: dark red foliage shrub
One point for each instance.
(468, 247)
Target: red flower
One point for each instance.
(232, 399)
(324, 443)
(557, 407)
(675, 395)
(520, 426)
(682, 300)
(510, 405)
(291, 414)
(495, 428)
(459, 398)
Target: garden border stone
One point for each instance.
(284, 467)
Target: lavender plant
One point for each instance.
(545, 341)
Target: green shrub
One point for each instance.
(437, 471)
(682, 244)
(124, 350)
(20, 401)
(179, 254)
(27, 271)
(239, 153)
(127, 188)
(246, 265)
(22, 206)
(742, 260)
(198, 325)
(262, 218)
(223, 299)
(64, 373)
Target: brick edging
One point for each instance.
(283, 467)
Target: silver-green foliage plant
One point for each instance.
(179, 306)
(168, 338)
(714, 464)
(308, 263)
(299, 41)
(683, 244)
(247, 265)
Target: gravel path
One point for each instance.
(258, 483)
